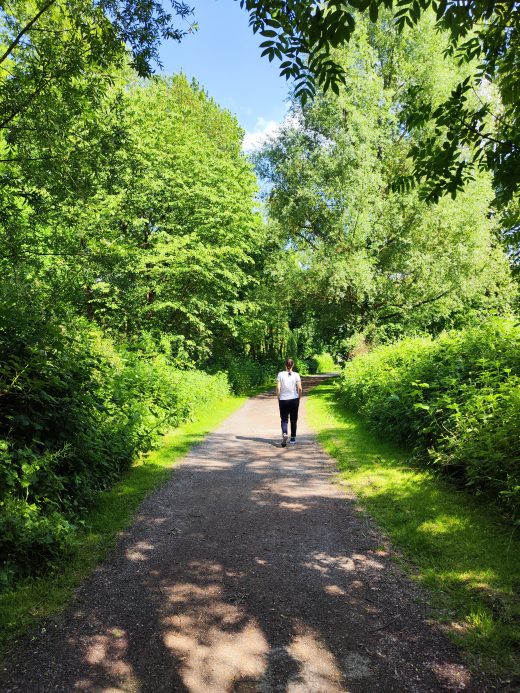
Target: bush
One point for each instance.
(454, 399)
(323, 363)
(301, 366)
(30, 540)
(245, 373)
(75, 412)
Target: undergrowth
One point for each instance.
(454, 399)
(76, 409)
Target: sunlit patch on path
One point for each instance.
(250, 570)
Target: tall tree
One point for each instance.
(374, 256)
(483, 34)
(184, 226)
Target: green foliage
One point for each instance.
(66, 40)
(133, 251)
(129, 239)
(245, 373)
(323, 363)
(124, 257)
(366, 257)
(31, 540)
(455, 399)
(75, 413)
(294, 30)
(469, 132)
(38, 597)
(173, 252)
(302, 366)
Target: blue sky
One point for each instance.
(224, 57)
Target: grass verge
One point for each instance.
(459, 549)
(35, 599)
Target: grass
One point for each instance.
(456, 546)
(35, 599)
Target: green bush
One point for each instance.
(301, 366)
(323, 363)
(75, 412)
(31, 540)
(454, 399)
(245, 372)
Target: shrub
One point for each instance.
(301, 366)
(245, 372)
(30, 540)
(75, 412)
(455, 399)
(323, 363)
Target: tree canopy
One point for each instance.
(43, 45)
(371, 255)
(467, 134)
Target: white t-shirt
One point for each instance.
(288, 384)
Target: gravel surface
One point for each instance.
(249, 571)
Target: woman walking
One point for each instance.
(288, 391)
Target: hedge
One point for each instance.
(454, 399)
(76, 411)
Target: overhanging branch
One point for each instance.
(25, 29)
(415, 305)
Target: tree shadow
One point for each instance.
(300, 440)
(264, 441)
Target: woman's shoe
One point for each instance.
(284, 440)
(292, 441)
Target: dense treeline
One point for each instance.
(133, 256)
(130, 243)
(164, 239)
(109, 287)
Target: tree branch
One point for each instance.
(304, 238)
(25, 29)
(414, 305)
(475, 131)
(26, 158)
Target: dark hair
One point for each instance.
(289, 363)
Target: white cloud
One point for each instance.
(265, 130)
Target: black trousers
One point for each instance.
(289, 408)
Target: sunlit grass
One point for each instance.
(456, 546)
(35, 599)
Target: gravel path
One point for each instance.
(249, 571)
